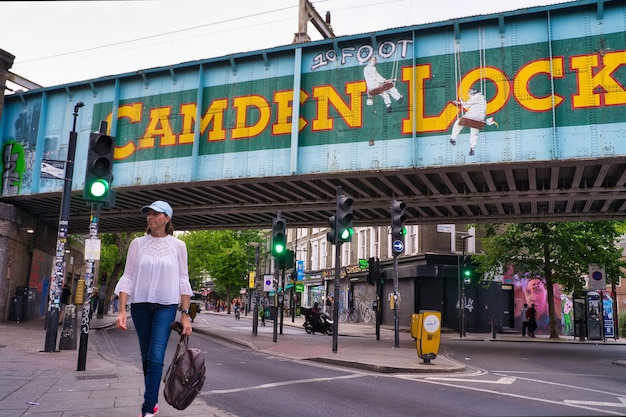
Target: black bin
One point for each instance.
(23, 292)
(15, 312)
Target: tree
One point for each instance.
(560, 252)
(114, 249)
(224, 255)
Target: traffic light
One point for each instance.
(286, 261)
(279, 237)
(467, 270)
(398, 229)
(344, 227)
(373, 271)
(331, 235)
(99, 172)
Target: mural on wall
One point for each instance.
(531, 289)
(18, 151)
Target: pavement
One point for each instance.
(47, 384)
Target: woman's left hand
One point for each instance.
(185, 320)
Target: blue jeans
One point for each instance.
(152, 323)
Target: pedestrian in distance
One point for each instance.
(532, 320)
(524, 320)
(155, 279)
(264, 306)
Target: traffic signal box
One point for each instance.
(398, 228)
(279, 237)
(340, 225)
(373, 271)
(345, 215)
(467, 269)
(99, 171)
(331, 235)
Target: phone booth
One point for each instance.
(580, 316)
(594, 315)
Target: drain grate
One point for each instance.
(106, 376)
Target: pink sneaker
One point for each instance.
(155, 411)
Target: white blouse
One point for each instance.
(156, 271)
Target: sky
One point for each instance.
(59, 42)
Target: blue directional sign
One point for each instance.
(398, 246)
(300, 271)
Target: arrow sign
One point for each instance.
(398, 246)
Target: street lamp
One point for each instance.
(56, 281)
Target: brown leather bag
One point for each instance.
(186, 374)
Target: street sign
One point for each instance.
(51, 169)
(300, 270)
(398, 246)
(445, 228)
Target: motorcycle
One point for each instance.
(322, 325)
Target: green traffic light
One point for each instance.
(346, 234)
(467, 273)
(403, 231)
(279, 248)
(99, 188)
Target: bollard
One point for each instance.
(493, 327)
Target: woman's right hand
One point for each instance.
(120, 322)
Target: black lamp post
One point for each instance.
(56, 280)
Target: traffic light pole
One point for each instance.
(336, 296)
(337, 276)
(56, 280)
(89, 274)
(396, 316)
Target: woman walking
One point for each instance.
(155, 280)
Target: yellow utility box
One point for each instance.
(426, 329)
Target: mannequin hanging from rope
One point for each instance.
(379, 85)
(474, 117)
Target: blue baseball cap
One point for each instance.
(159, 206)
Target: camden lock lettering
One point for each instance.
(595, 76)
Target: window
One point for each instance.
(323, 253)
(362, 243)
(345, 254)
(314, 256)
(411, 240)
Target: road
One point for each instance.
(503, 379)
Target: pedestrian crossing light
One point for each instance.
(99, 171)
(345, 215)
(279, 237)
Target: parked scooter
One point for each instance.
(322, 324)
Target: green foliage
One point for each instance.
(223, 255)
(562, 251)
(622, 324)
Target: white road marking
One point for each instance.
(622, 403)
(505, 380)
(279, 384)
